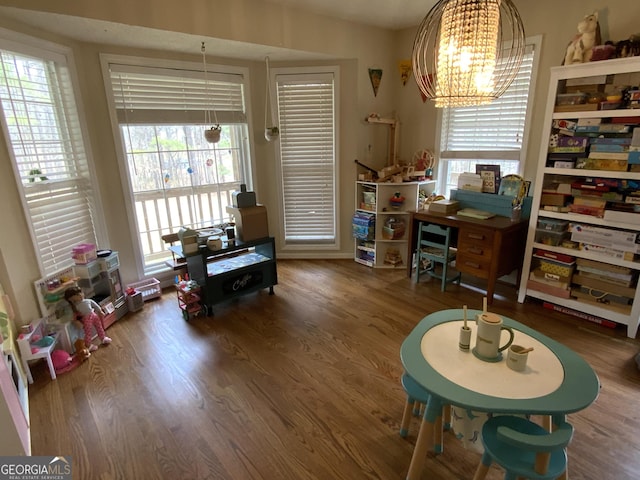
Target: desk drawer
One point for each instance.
(473, 265)
(475, 251)
(475, 243)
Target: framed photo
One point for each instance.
(490, 177)
(513, 186)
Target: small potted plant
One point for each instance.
(213, 134)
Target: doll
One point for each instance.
(90, 315)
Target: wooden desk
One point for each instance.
(486, 248)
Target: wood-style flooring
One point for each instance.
(301, 385)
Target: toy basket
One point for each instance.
(149, 288)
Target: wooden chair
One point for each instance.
(417, 399)
(434, 246)
(524, 449)
(178, 265)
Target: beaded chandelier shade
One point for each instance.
(467, 52)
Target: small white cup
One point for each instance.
(465, 339)
(515, 359)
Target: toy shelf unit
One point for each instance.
(55, 309)
(381, 221)
(583, 248)
(100, 280)
(189, 300)
(234, 270)
(37, 342)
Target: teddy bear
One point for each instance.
(82, 352)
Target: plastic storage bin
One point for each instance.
(548, 237)
(90, 270)
(110, 262)
(150, 288)
(552, 224)
(84, 253)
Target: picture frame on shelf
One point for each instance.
(490, 175)
(512, 186)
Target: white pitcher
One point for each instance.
(490, 327)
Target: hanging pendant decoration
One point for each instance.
(404, 66)
(375, 75)
(270, 132)
(211, 135)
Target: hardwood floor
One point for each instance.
(300, 385)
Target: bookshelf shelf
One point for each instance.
(595, 243)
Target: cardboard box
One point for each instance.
(559, 199)
(606, 237)
(548, 289)
(251, 222)
(602, 164)
(603, 284)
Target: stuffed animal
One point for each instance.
(82, 352)
(580, 48)
(60, 360)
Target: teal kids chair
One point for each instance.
(417, 399)
(523, 448)
(435, 247)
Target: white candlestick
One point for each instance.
(464, 310)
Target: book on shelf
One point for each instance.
(556, 208)
(612, 141)
(594, 282)
(609, 148)
(609, 155)
(589, 201)
(588, 298)
(587, 210)
(625, 217)
(582, 315)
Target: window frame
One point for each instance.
(319, 71)
(136, 62)
(485, 156)
(47, 51)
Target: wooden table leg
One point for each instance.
(425, 437)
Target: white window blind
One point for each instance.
(177, 178)
(41, 123)
(163, 95)
(493, 131)
(306, 111)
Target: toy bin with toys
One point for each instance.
(150, 288)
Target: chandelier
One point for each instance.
(467, 52)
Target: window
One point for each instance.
(488, 134)
(175, 177)
(307, 118)
(40, 121)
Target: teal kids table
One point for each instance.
(556, 381)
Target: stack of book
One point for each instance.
(553, 273)
(605, 285)
(447, 207)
